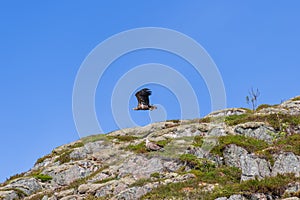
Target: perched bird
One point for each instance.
(152, 146)
(143, 100)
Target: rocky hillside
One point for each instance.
(230, 154)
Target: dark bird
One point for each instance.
(143, 100)
(152, 146)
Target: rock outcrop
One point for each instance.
(221, 156)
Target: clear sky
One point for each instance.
(43, 44)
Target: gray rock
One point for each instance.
(221, 198)
(259, 196)
(292, 188)
(68, 173)
(8, 195)
(254, 167)
(286, 162)
(227, 112)
(27, 185)
(134, 192)
(292, 106)
(256, 130)
(232, 155)
(140, 167)
(236, 197)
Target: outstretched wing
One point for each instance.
(143, 96)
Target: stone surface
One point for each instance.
(233, 154)
(254, 167)
(286, 162)
(256, 130)
(26, 185)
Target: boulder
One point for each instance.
(286, 162)
(254, 167)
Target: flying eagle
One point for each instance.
(143, 100)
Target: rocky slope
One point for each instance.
(230, 154)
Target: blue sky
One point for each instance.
(43, 44)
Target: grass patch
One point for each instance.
(290, 143)
(205, 120)
(42, 159)
(13, 177)
(155, 175)
(138, 148)
(141, 182)
(64, 157)
(274, 186)
(202, 165)
(296, 98)
(43, 177)
(263, 106)
(94, 138)
(275, 120)
(198, 141)
(228, 184)
(123, 138)
(223, 175)
(248, 143)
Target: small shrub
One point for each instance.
(64, 157)
(42, 159)
(139, 148)
(155, 175)
(198, 141)
(205, 120)
(296, 98)
(262, 106)
(123, 138)
(290, 143)
(43, 177)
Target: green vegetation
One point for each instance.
(64, 157)
(274, 186)
(248, 143)
(262, 106)
(205, 120)
(94, 138)
(155, 175)
(141, 182)
(42, 159)
(274, 120)
(138, 148)
(290, 143)
(198, 141)
(198, 164)
(296, 98)
(14, 177)
(228, 184)
(221, 175)
(123, 138)
(43, 177)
